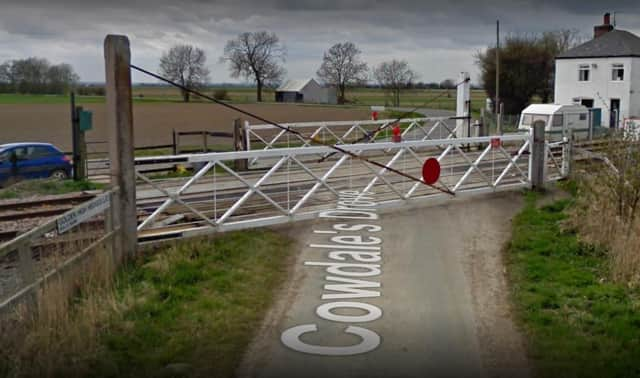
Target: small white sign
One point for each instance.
(83, 212)
(377, 108)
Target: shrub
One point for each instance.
(221, 94)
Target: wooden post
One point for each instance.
(75, 129)
(567, 150)
(175, 146)
(82, 148)
(239, 144)
(538, 156)
(25, 264)
(121, 146)
(204, 141)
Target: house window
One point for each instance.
(617, 72)
(583, 72)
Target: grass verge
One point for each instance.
(579, 324)
(186, 310)
(29, 188)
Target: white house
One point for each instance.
(602, 73)
(308, 91)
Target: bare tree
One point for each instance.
(394, 75)
(185, 64)
(256, 56)
(342, 67)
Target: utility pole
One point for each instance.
(496, 106)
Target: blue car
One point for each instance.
(32, 160)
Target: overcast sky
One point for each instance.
(438, 37)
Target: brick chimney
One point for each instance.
(604, 28)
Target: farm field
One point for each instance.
(153, 123)
(434, 98)
(159, 110)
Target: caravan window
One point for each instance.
(530, 119)
(558, 120)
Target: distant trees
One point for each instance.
(256, 56)
(527, 66)
(342, 67)
(448, 84)
(185, 64)
(394, 75)
(36, 76)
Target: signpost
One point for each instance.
(83, 212)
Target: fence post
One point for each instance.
(538, 156)
(567, 150)
(204, 142)
(26, 268)
(120, 130)
(239, 144)
(175, 145)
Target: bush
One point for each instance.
(608, 203)
(221, 94)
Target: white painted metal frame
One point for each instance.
(447, 150)
(336, 131)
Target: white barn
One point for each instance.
(602, 73)
(308, 91)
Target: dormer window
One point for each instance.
(583, 72)
(617, 72)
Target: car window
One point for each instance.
(39, 152)
(22, 153)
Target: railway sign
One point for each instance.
(431, 171)
(87, 210)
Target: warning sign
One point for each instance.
(87, 210)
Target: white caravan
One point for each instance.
(557, 118)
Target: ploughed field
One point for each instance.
(153, 121)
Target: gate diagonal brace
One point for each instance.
(172, 198)
(471, 168)
(252, 189)
(513, 162)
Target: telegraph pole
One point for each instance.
(497, 103)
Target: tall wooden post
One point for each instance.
(121, 146)
(239, 144)
(538, 156)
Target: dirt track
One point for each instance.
(153, 122)
(443, 298)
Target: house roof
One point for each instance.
(294, 85)
(616, 43)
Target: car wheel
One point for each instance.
(58, 174)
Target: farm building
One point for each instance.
(308, 91)
(602, 73)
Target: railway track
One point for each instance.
(17, 216)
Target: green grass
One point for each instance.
(579, 324)
(29, 188)
(198, 303)
(429, 98)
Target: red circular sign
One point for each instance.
(431, 171)
(396, 130)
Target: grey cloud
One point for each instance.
(438, 37)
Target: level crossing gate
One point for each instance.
(296, 183)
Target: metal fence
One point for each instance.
(47, 251)
(297, 183)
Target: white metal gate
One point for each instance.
(296, 183)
